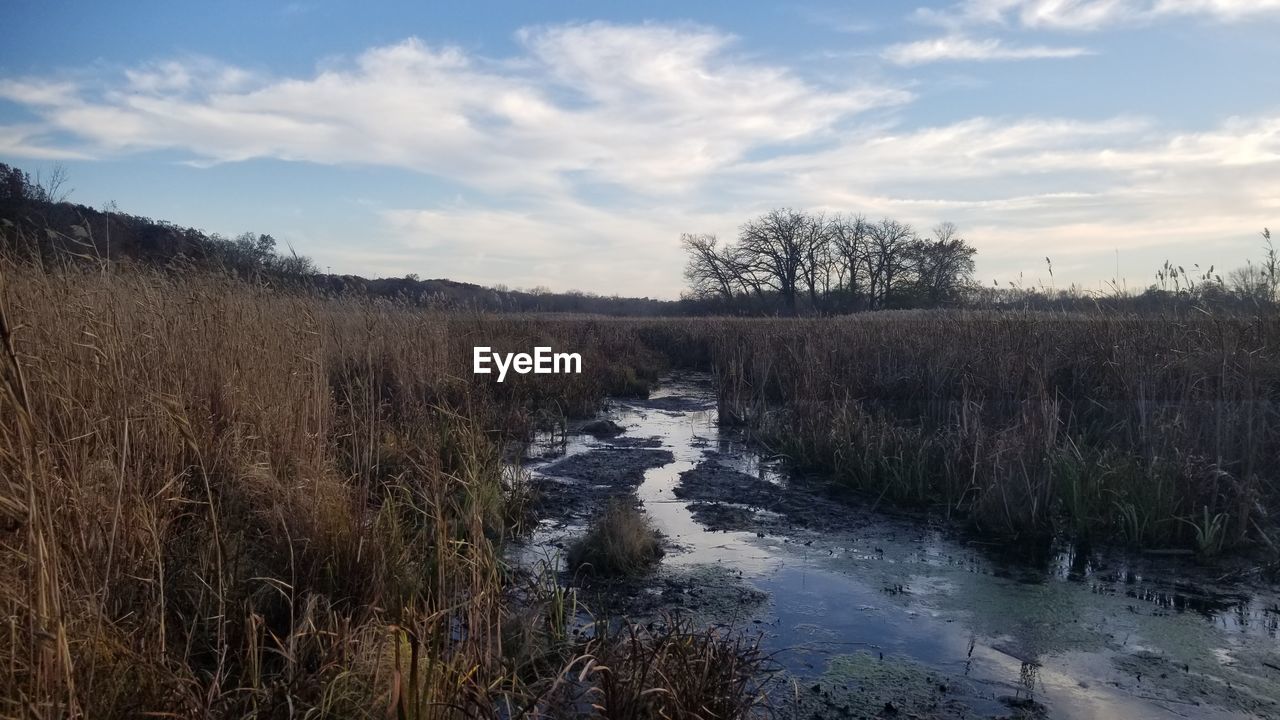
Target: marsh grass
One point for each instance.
(620, 542)
(223, 500)
(1114, 426)
(671, 669)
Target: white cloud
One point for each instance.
(1020, 189)
(654, 108)
(26, 141)
(1034, 187)
(1092, 14)
(959, 47)
(177, 76)
(38, 93)
(599, 144)
(563, 244)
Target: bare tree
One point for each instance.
(710, 272)
(889, 243)
(1249, 282)
(772, 250)
(52, 187)
(849, 252)
(1271, 266)
(815, 271)
(831, 262)
(943, 265)
(1257, 283)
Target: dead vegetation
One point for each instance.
(672, 670)
(222, 500)
(620, 542)
(1154, 431)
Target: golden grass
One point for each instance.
(620, 542)
(221, 500)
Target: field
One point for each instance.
(219, 499)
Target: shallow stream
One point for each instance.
(872, 613)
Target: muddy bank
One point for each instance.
(676, 403)
(723, 497)
(580, 484)
(869, 684)
(706, 594)
(634, 442)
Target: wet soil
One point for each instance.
(869, 684)
(635, 442)
(677, 403)
(602, 428)
(725, 498)
(707, 595)
(579, 485)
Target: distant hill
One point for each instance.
(37, 225)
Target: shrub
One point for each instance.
(621, 542)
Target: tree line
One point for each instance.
(48, 228)
(784, 261)
(38, 225)
(794, 261)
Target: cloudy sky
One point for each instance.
(568, 144)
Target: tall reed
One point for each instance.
(1025, 423)
(224, 500)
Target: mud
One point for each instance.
(634, 442)
(727, 499)
(676, 403)
(578, 485)
(602, 428)
(722, 517)
(708, 595)
(869, 684)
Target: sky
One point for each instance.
(568, 145)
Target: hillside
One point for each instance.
(38, 226)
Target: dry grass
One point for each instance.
(217, 500)
(671, 670)
(620, 542)
(1136, 428)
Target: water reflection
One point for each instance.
(1056, 624)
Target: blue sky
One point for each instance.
(568, 144)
